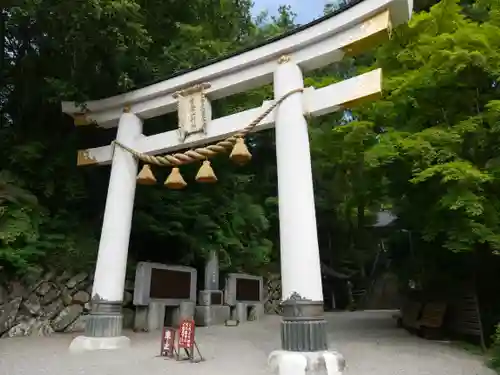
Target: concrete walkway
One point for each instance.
(369, 341)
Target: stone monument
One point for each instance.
(245, 294)
(211, 309)
(163, 293)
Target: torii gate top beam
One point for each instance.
(312, 46)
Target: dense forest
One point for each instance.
(426, 152)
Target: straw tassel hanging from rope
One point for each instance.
(206, 173)
(175, 181)
(146, 176)
(240, 154)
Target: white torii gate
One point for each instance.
(282, 61)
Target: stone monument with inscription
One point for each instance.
(211, 309)
(245, 294)
(163, 294)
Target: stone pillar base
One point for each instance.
(240, 312)
(141, 319)
(257, 312)
(304, 335)
(304, 328)
(282, 362)
(103, 329)
(104, 325)
(82, 344)
(105, 320)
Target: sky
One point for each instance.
(306, 10)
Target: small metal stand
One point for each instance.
(190, 354)
(232, 323)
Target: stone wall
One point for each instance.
(272, 294)
(60, 303)
(52, 303)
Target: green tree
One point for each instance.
(54, 51)
(430, 145)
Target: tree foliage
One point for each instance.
(51, 211)
(427, 151)
(429, 147)
(438, 149)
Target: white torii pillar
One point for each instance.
(303, 329)
(103, 328)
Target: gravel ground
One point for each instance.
(369, 341)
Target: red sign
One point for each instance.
(186, 334)
(167, 342)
